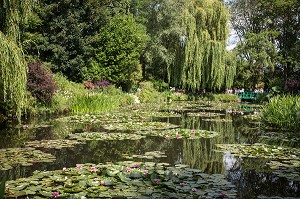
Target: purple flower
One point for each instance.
(181, 184)
(136, 166)
(156, 180)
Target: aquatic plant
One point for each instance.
(261, 151)
(125, 179)
(282, 112)
(24, 156)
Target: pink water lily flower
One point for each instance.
(79, 167)
(106, 134)
(55, 194)
(93, 168)
(136, 166)
(128, 169)
(167, 137)
(181, 184)
(145, 171)
(156, 180)
(102, 183)
(193, 132)
(178, 136)
(96, 179)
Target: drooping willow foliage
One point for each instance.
(200, 61)
(13, 66)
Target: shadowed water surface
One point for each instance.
(251, 176)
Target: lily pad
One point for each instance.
(25, 156)
(105, 136)
(56, 144)
(131, 182)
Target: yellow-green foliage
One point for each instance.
(12, 76)
(67, 90)
(282, 112)
(221, 97)
(147, 93)
(75, 98)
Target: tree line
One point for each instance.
(180, 42)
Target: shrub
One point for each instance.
(282, 112)
(40, 82)
(222, 97)
(101, 84)
(147, 93)
(67, 90)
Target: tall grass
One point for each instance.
(95, 103)
(282, 112)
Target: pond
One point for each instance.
(183, 149)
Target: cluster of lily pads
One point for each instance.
(204, 114)
(261, 151)
(183, 133)
(24, 156)
(140, 126)
(53, 144)
(122, 180)
(289, 169)
(105, 136)
(148, 155)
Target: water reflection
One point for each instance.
(250, 175)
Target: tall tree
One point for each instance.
(118, 47)
(60, 33)
(13, 66)
(187, 48)
(282, 16)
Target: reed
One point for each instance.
(95, 103)
(282, 112)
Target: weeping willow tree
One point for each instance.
(200, 61)
(13, 66)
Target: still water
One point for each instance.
(250, 175)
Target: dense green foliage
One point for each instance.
(283, 112)
(255, 19)
(118, 47)
(13, 66)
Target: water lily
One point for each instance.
(79, 167)
(96, 179)
(136, 166)
(64, 168)
(193, 132)
(167, 137)
(106, 134)
(181, 184)
(156, 180)
(145, 171)
(128, 169)
(93, 168)
(178, 136)
(55, 194)
(102, 183)
(194, 189)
